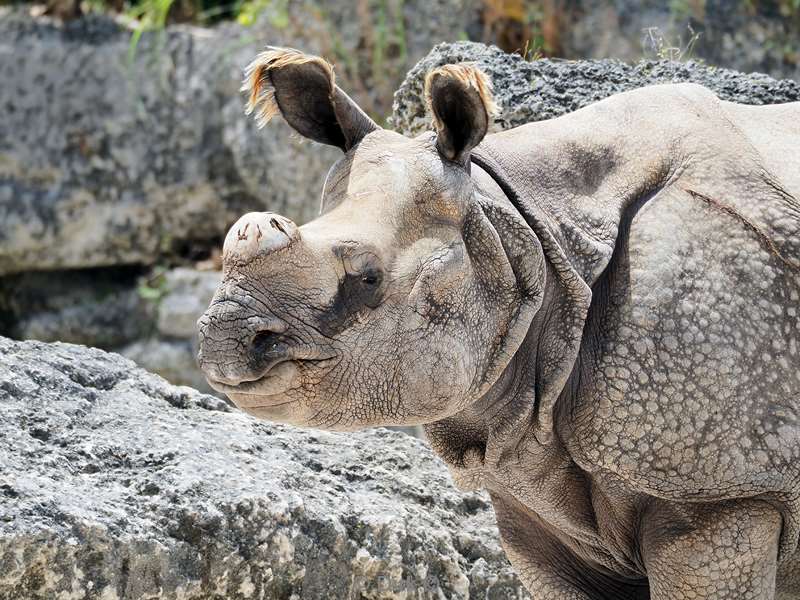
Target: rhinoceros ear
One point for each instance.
(303, 89)
(460, 100)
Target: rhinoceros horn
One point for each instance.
(258, 234)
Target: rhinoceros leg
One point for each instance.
(548, 567)
(722, 552)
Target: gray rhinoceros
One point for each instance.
(594, 317)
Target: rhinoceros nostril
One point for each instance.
(268, 342)
(268, 349)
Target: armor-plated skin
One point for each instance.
(594, 317)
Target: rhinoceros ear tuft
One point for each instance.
(303, 89)
(460, 100)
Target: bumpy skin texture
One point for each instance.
(673, 447)
(595, 317)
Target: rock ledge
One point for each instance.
(116, 484)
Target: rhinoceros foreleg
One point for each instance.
(547, 566)
(723, 551)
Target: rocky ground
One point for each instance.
(116, 484)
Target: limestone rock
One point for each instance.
(116, 484)
(109, 157)
(188, 293)
(543, 89)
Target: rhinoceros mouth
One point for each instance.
(275, 382)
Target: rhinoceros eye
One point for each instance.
(362, 289)
(370, 293)
(362, 284)
(371, 278)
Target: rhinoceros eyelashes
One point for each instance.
(460, 100)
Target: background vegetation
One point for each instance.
(514, 25)
(532, 28)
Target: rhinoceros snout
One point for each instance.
(258, 234)
(236, 348)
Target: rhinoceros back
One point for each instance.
(774, 132)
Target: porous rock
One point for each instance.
(113, 156)
(543, 89)
(116, 484)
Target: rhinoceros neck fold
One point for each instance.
(578, 238)
(574, 196)
(559, 339)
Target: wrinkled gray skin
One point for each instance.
(595, 317)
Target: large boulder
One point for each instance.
(113, 156)
(543, 89)
(108, 160)
(115, 484)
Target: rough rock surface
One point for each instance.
(542, 89)
(115, 484)
(106, 160)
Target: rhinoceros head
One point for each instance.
(401, 302)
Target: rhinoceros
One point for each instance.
(594, 317)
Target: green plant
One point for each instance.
(532, 50)
(153, 287)
(275, 11)
(150, 15)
